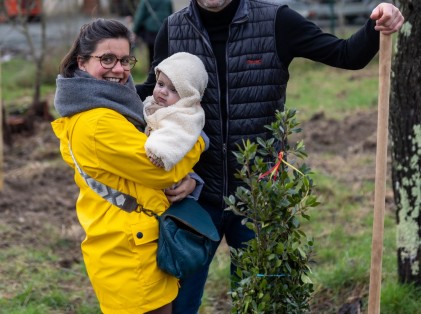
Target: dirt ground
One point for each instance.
(37, 201)
(39, 188)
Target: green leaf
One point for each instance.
(306, 279)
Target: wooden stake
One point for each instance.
(385, 60)
(1, 130)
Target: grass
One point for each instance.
(343, 250)
(316, 87)
(32, 282)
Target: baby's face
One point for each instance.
(164, 92)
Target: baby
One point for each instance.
(173, 114)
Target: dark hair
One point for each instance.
(89, 36)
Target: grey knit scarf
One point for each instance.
(83, 92)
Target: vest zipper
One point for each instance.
(225, 175)
(224, 135)
(225, 124)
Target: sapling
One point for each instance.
(273, 269)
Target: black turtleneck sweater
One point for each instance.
(216, 23)
(295, 37)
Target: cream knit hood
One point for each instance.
(186, 72)
(176, 128)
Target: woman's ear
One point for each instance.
(81, 63)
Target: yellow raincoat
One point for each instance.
(120, 247)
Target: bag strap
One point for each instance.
(124, 201)
(197, 219)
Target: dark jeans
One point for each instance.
(191, 291)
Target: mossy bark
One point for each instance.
(405, 131)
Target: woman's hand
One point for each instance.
(181, 190)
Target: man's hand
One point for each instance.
(388, 18)
(184, 188)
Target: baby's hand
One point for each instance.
(155, 160)
(148, 130)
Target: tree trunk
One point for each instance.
(38, 109)
(405, 130)
(91, 7)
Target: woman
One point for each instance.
(100, 137)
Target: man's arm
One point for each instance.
(299, 37)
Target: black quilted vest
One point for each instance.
(255, 87)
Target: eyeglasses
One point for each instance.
(109, 60)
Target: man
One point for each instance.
(247, 46)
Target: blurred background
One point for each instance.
(40, 260)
